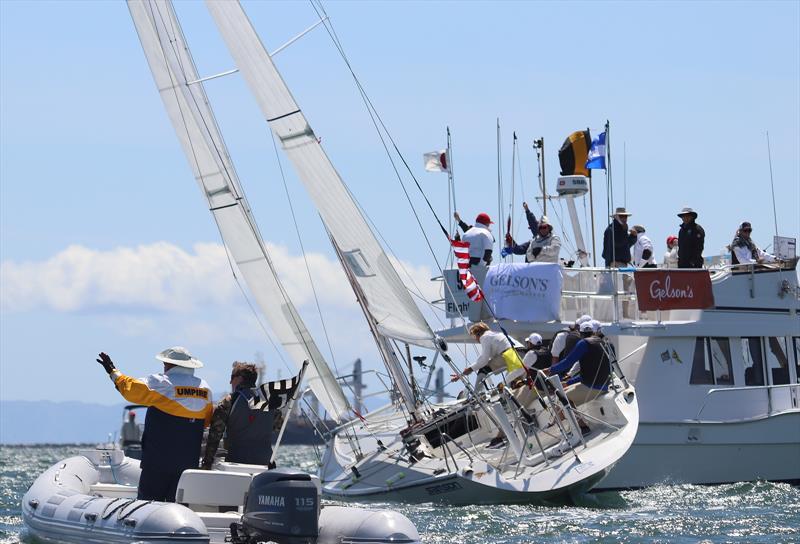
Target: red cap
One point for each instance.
(484, 218)
(670, 239)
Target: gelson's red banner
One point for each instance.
(673, 289)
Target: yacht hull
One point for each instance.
(710, 453)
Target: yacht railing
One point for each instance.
(770, 400)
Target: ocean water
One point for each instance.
(758, 512)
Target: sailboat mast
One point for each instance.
(390, 359)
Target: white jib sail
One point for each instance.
(194, 122)
(387, 298)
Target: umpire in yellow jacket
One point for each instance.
(179, 407)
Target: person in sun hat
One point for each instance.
(179, 407)
(744, 250)
(617, 240)
(479, 237)
(691, 239)
(542, 248)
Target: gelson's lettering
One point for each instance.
(673, 289)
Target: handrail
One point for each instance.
(767, 388)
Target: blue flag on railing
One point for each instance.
(597, 153)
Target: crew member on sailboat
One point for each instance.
(249, 431)
(179, 407)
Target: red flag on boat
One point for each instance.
(461, 251)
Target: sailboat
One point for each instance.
(413, 450)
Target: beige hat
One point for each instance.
(179, 356)
(621, 211)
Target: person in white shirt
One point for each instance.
(479, 237)
(643, 256)
(671, 256)
(745, 251)
(497, 353)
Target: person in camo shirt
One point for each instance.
(248, 432)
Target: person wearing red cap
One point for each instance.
(479, 237)
(671, 256)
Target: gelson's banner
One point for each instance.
(524, 291)
(673, 289)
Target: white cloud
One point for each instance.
(165, 278)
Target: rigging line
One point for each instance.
(222, 154)
(197, 162)
(303, 250)
(373, 113)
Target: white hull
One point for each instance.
(710, 453)
(465, 472)
(91, 499)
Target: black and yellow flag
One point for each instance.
(574, 153)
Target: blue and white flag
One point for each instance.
(597, 153)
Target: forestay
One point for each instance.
(387, 298)
(197, 130)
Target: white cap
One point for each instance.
(582, 319)
(179, 356)
(534, 338)
(596, 326)
(586, 326)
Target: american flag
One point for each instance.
(461, 251)
(275, 395)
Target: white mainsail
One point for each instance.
(385, 294)
(194, 122)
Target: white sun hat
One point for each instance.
(179, 356)
(535, 338)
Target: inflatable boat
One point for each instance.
(91, 499)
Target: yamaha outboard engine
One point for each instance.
(283, 507)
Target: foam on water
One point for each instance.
(759, 512)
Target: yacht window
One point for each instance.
(777, 360)
(701, 370)
(719, 351)
(753, 361)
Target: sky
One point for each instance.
(106, 243)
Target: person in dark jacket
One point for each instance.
(179, 407)
(691, 240)
(618, 240)
(248, 432)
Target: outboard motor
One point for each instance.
(283, 507)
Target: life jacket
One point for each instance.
(249, 432)
(573, 337)
(595, 366)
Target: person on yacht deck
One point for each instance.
(691, 239)
(179, 407)
(617, 241)
(643, 256)
(595, 367)
(671, 256)
(542, 248)
(497, 354)
(745, 251)
(479, 237)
